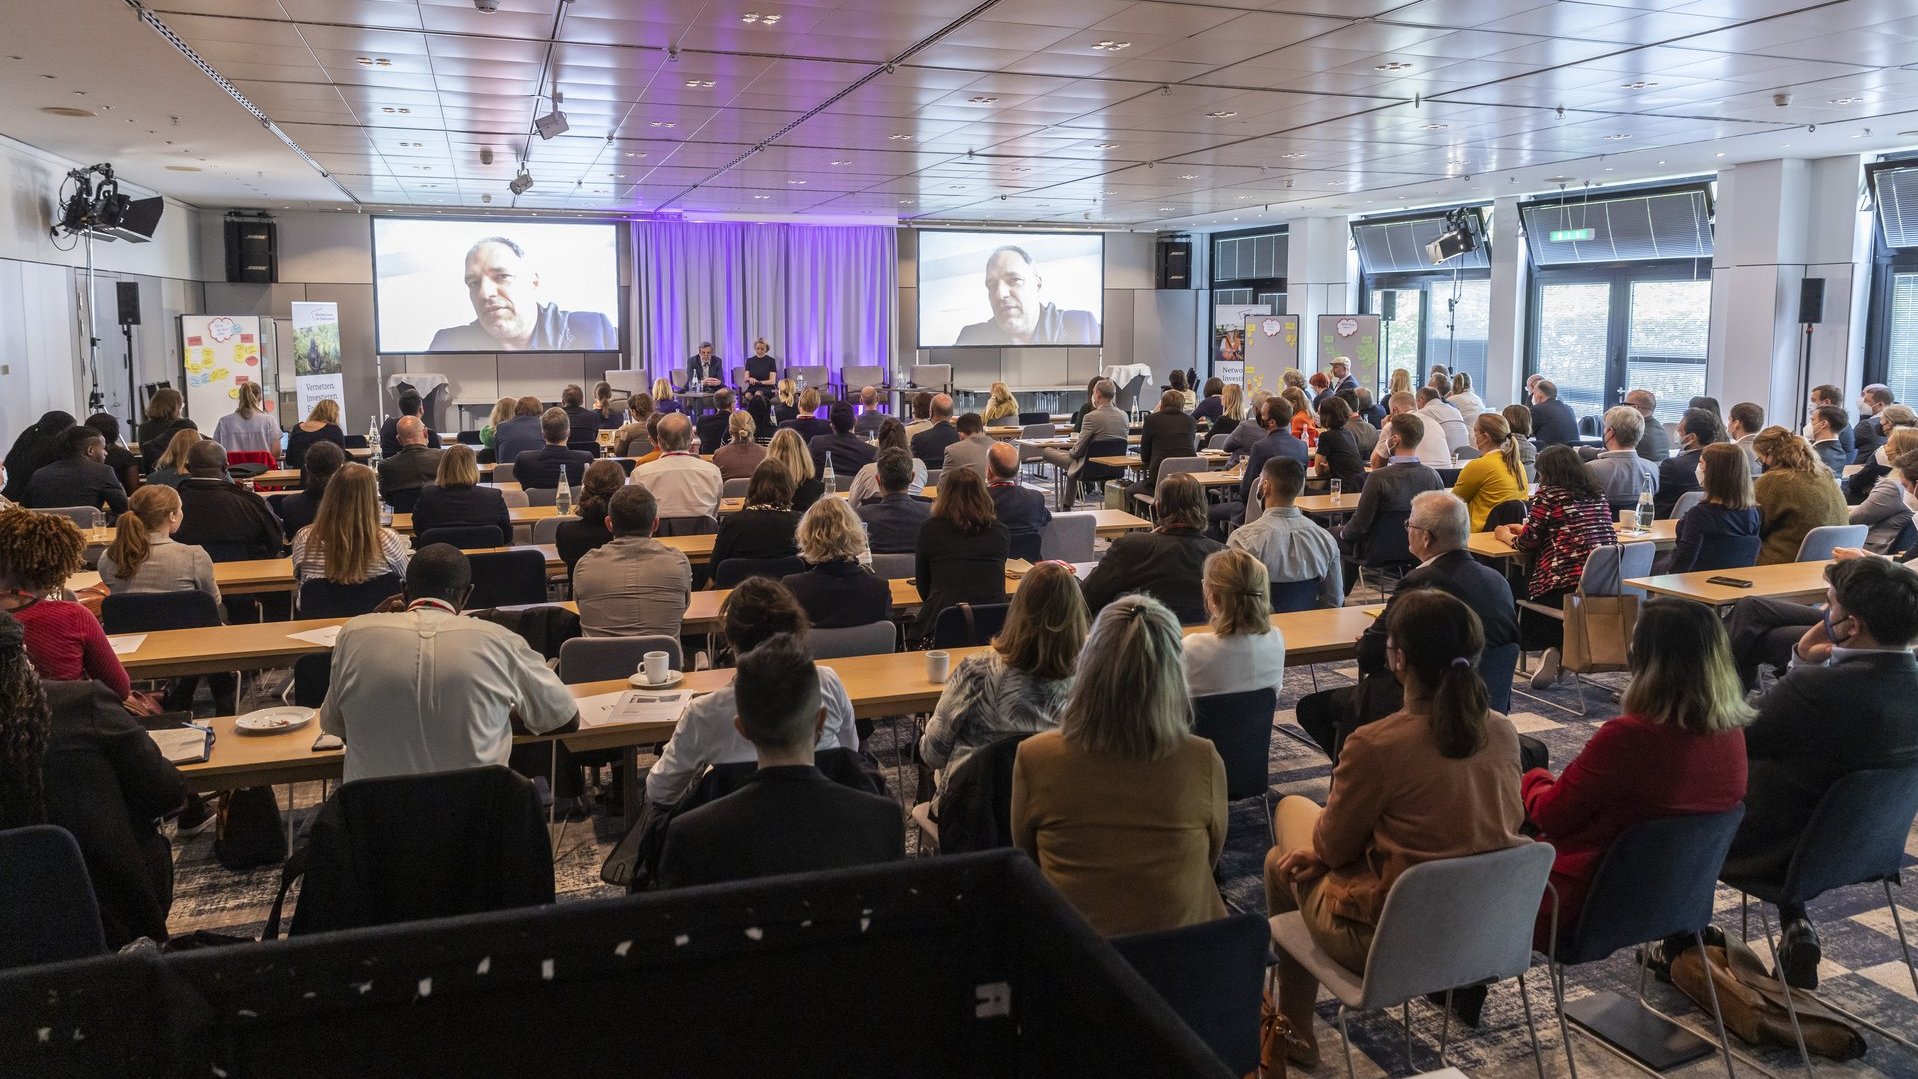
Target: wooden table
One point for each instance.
(278, 478)
(1786, 580)
(1662, 535)
(1328, 505)
(234, 578)
(520, 515)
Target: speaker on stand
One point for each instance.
(1811, 311)
(127, 295)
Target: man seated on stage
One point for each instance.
(504, 289)
(684, 485)
(893, 522)
(762, 371)
(1020, 313)
(705, 371)
(1021, 509)
(1292, 546)
(791, 818)
(632, 585)
(850, 453)
(410, 405)
(415, 465)
(870, 419)
(970, 450)
(542, 468)
(427, 690)
(930, 445)
(231, 522)
(712, 426)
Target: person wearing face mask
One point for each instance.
(1873, 466)
(1888, 508)
(1837, 430)
(1678, 474)
(1869, 433)
(1721, 531)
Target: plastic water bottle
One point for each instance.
(830, 479)
(386, 515)
(563, 498)
(373, 442)
(1645, 511)
(865, 553)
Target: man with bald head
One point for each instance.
(230, 521)
(930, 444)
(1020, 313)
(682, 484)
(415, 466)
(504, 288)
(1021, 509)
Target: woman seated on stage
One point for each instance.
(836, 591)
(455, 499)
(346, 543)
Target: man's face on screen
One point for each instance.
(1013, 287)
(504, 291)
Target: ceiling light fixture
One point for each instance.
(1848, 101)
(899, 136)
(1112, 46)
(663, 123)
(1290, 157)
(982, 99)
(752, 17)
(1433, 127)
(841, 161)
(522, 183)
(762, 196)
(1641, 84)
(1187, 176)
(1223, 114)
(1395, 65)
(372, 61)
(1105, 146)
(699, 84)
(796, 183)
(1167, 209)
(402, 110)
(1620, 137)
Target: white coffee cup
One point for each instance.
(655, 666)
(1628, 520)
(938, 665)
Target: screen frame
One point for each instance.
(619, 255)
(919, 301)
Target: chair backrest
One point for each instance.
(734, 570)
(964, 625)
(858, 378)
(465, 537)
(1295, 595)
(47, 908)
(1036, 419)
(468, 438)
(1509, 512)
(1217, 442)
(1862, 821)
(1656, 879)
(503, 472)
(546, 529)
(1466, 453)
(84, 516)
(1608, 565)
(1685, 503)
(1210, 973)
(1175, 466)
(930, 375)
(1588, 427)
(932, 476)
(736, 376)
(872, 639)
(506, 578)
(324, 599)
(1102, 447)
(735, 488)
(1818, 543)
(1239, 726)
(1727, 552)
(541, 496)
(598, 659)
(816, 376)
(686, 526)
(355, 442)
(153, 611)
(1128, 398)
(402, 501)
(1068, 537)
(894, 567)
(1386, 544)
(1456, 921)
(1495, 667)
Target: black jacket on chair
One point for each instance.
(787, 820)
(711, 429)
(1163, 436)
(953, 567)
(1167, 564)
(839, 594)
(228, 520)
(541, 467)
(452, 507)
(1023, 511)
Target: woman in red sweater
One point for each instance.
(38, 552)
(1679, 749)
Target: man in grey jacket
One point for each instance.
(1102, 422)
(1620, 471)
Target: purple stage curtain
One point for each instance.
(819, 294)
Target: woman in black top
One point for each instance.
(320, 425)
(961, 557)
(38, 445)
(455, 499)
(790, 450)
(611, 415)
(163, 421)
(120, 459)
(298, 509)
(587, 530)
(764, 529)
(1338, 450)
(1721, 531)
(837, 591)
(1167, 563)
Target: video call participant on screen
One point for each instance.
(705, 370)
(1020, 316)
(762, 370)
(505, 290)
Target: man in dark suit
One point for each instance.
(1021, 509)
(231, 522)
(1275, 418)
(1553, 422)
(850, 453)
(409, 406)
(1832, 397)
(1869, 433)
(541, 468)
(1828, 422)
(1168, 432)
(582, 422)
(705, 371)
(1654, 444)
(1844, 705)
(893, 522)
(790, 818)
(80, 477)
(930, 444)
(1436, 533)
(712, 426)
(1679, 474)
(415, 466)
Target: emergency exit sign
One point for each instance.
(1570, 236)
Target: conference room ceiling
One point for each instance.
(1112, 112)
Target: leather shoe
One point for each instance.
(1798, 955)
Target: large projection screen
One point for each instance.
(491, 284)
(999, 289)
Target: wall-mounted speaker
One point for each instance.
(128, 293)
(1811, 301)
(252, 251)
(1174, 264)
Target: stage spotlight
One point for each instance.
(1458, 238)
(522, 183)
(551, 125)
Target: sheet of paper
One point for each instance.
(633, 706)
(323, 637)
(182, 745)
(127, 644)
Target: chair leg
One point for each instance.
(1791, 1007)
(1556, 975)
(1531, 1025)
(1718, 1015)
(1445, 1030)
(1898, 924)
(1345, 1036)
(1405, 1020)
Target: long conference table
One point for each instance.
(881, 685)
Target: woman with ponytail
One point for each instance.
(1241, 650)
(143, 557)
(249, 427)
(1497, 474)
(1437, 779)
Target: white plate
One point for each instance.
(274, 720)
(638, 680)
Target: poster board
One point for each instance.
(1228, 337)
(316, 356)
(1355, 337)
(1271, 346)
(218, 353)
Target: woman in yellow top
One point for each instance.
(1496, 476)
(1000, 405)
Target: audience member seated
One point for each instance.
(76, 759)
(1248, 433)
(403, 474)
(1460, 396)
(1100, 421)
(1621, 474)
(1677, 749)
(1497, 475)
(713, 426)
(683, 485)
(742, 452)
(582, 422)
(790, 818)
(1001, 405)
(805, 421)
(1389, 489)
(865, 486)
(249, 428)
(633, 437)
(80, 477)
(1726, 519)
(1869, 432)
(298, 509)
(163, 420)
(1242, 650)
(1291, 546)
(1274, 418)
(1743, 425)
(1437, 779)
(1450, 421)
(1570, 518)
(764, 526)
(1166, 563)
(893, 522)
(960, 556)
(921, 415)
(1436, 533)
(1021, 509)
(1305, 421)
(425, 690)
(502, 411)
(973, 445)
(606, 412)
(410, 405)
(632, 585)
(1211, 404)
(785, 401)
(1231, 411)
(1553, 422)
(870, 418)
(1018, 685)
(1885, 509)
(38, 552)
(519, 434)
(1432, 449)
(1844, 705)
(230, 521)
(1678, 473)
(120, 461)
(930, 444)
(759, 610)
(1795, 495)
(586, 529)
(1519, 419)
(789, 449)
(665, 399)
(346, 544)
(320, 425)
(143, 557)
(848, 451)
(170, 465)
(1337, 453)
(543, 468)
(37, 447)
(1829, 432)
(835, 590)
(456, 500)
(1166, 434)
(1122, 806)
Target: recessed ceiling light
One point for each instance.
(762, 20)
(762, 196)
(699, 84)
(634, 153)
(1223, 114)
(899, 137)
(1167, 209)
(1848, 101)
(1112, 46)
(1242, 198)
(184, 168)
(373, 61)
(841, 161)
(1661, 162)
(66, 110)
(1619, 137)
(1290, 157)
(1720, 153)
(1435, 126)
(1188, 176)
(1020, 168)
(795, 183)
(402, 110)
(1395, 65)
(905, 202)
(1105, 146)
(982, 99)
(1640, 84)
(663, 123)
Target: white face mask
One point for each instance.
(1701, 477)
(1910, 500)
(1882, 455)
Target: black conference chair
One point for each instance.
(686, 526)
(966, 625)
(403, 501)
(1290, 596)
(1495, 667)
(1509, 512)
(1210, 974)
(47, 909)
(1239, 726)
(1090, 473)
(312, 675)
(465, 537)
(1034, 417)
(156, 611)
(507, 578)
(355, 442)
(729, 573)
(1388, 556)
(469, 438)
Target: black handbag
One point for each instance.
(250, 832)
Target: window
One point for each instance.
(1597, 333)
(1900, 369)
(1247, 267)
(1891, 336)
(1428, 315)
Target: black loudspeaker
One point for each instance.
(1389, 305)
(129, 302)
(1174, 264)
(1811, 301)
(252, 252)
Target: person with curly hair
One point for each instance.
(38, 552)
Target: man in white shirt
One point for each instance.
(1293, 546)
(1620, 472)
(684, 485)
(426, 690)
(1433, 451)
(1450, 421)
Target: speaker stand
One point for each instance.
(133, 387)
(1804, 372)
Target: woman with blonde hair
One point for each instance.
(790, 450)
(1884, 507)
(321, 425)
(1241, 650)
(1461, 397)
(806, 419)
(502, 411)
(1401, 381)
(763, 528)
(836, 590)
(1019, 684)
(1000, 405)
(634, 437)
(1497, 475)
(170, 468)
(248, 428)
(1795, 495)
(742, 452)
(456, 500)
(1167, 563)
(785, 404)
(346, 544)
(143, 557)
(1122, 806)
(586, 530)
(664, 403)
(1231, 410)
(961, 553)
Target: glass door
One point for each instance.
(1573, 343)
(1401, 314)
(1665, 342)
